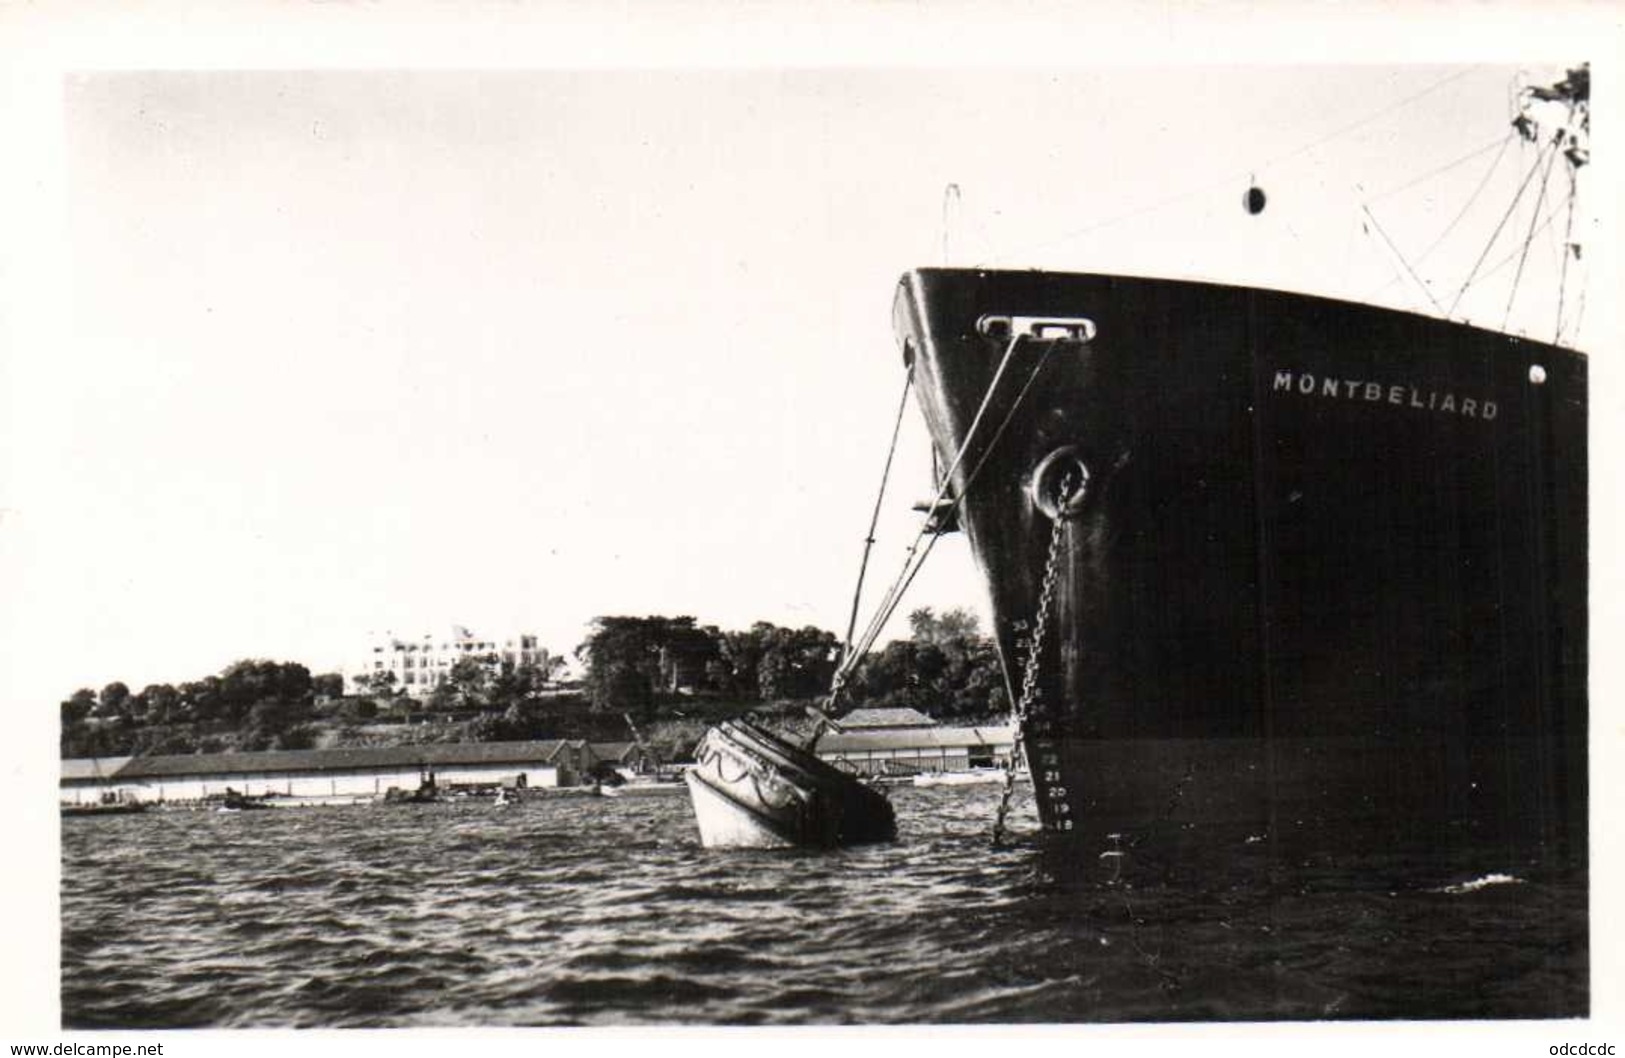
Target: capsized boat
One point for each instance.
(752, 789)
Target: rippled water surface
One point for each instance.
(607, 911)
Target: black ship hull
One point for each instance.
(1328, 570)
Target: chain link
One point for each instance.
(1035, 647)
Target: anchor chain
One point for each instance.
(1064, 495)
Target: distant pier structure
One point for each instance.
(315, 775)
(906, 742)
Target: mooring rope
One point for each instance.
(894, 594)
(874, 518)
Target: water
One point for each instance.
(591, 911)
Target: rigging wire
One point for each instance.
(1384, 112)
(1534, 216)
(914, 560)
(1496, 234)
(1479, 276)
(1430, 174)
(1404, 263)
(1512, 256)
(874, 519)
(914, 548)
(1479, 190)
(879, 623)
(892, 595)
(1563, 273)
(1161, 204)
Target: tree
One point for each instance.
(78, 706)
(160, 704)
(794, 663)
(468, 681)
(549, 668)
(244, 684)
(357, 710)
(946, 668)
(768, 662)
(201, 700)
(382, 682)
(631, 661)
(953, 625)
(272, 716)
(112, 699)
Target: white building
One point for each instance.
(420, 664)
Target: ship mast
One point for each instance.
(1570, 99)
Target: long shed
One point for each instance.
(353, 772)
(916, 749)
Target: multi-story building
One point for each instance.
(421, 664)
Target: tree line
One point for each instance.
(251, 704)
(652, 668)
(644, 665)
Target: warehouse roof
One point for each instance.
(870, 718)
(91, 769)
(913, 738)
(619, 752)
(357, 758)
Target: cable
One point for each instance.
(1444, 168)
(904, 577)
(1482, 184)
(874, 519)
(1404, 263)
(1540, 200)
(1563, 273)
(1496, 234)
(1509, 258)
(1228, 178)
(894, 600)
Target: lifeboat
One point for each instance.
(752, 789)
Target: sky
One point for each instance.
(364, 351)
(329, 319)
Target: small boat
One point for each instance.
(752, 789)
(105, 808)
(428, 792)
(234, 801)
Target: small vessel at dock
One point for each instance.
(752, 789)
(105, 807)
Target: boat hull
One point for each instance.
(1329, 563)
(752, 789)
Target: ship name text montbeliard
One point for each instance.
(1309, 385)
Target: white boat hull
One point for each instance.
(752, 789)
(725, 824)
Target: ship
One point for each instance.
(1264, 565)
